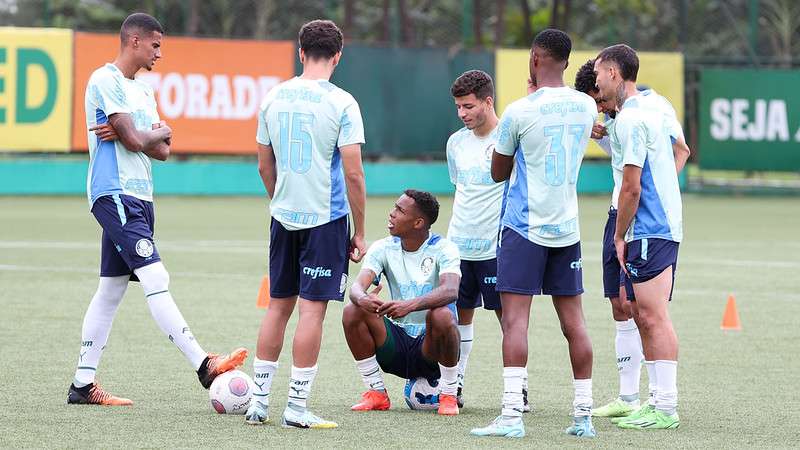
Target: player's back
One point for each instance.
(306, 122)
(550, 129)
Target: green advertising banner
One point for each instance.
(749, 120)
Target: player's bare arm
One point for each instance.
(356, 195)
(681, 152)
(266, 168)
(140, 141)
(442, 295)
(361, 297)
(629, 194)
(501, 167)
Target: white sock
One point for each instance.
(652, 385)
(263, 374)
(448, 382)
(300, 385)
(97, 326)
(628, 345)
(371, 373)
(155, 282)
(667, 390)
(466, 332)
(582, 405)
(512, 391)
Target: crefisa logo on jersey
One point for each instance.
(427, 266)
(316, 272)
(144, 248)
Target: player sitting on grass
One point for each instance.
(415, 334)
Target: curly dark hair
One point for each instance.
(624, 57)
(555, 42)
(586, 79)
(139, 21)
(426, 203)
(320, 39)
(475, 82)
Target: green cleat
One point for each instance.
(644, 409)
(617, 408)
(656, 420)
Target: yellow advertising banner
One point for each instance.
(35, 89)
(660, 71)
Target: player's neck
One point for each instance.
(413, 241)
(550, 79)
(487, 127)
(626, 91)
(126, 66)
(317, 71)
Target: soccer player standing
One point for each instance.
(542, 137)
(649, 224)
(121, 111)
(417, 334)
(309, 156)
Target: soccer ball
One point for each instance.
(230, 393)
(420, 394)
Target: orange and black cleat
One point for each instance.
(448, 405)
(373, 400)
(215, 365)
(93, 394)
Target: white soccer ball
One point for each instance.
(420, 394)
(231, 392)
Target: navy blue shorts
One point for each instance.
(524, 267)
(611, 268)
(311, 263)
(401, 354)
(127, 242)
(478, 281)
(647, 258)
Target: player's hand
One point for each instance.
(396, 309)
(622, 253)
(163, 124)
(358, 248)
(371, 303)
(105, 132)
(598, 131)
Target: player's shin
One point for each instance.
(263, 375)
(371, 374)
(466, 332)
(666, 399)
(628, 348)
(512, 391)
(300, 386)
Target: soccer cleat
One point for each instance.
(460, 397)
(304, 419)
(214, 365)
(373, 400)
(511, 427)
(257, 413)
(582, 427)
(617, 408)
(448, 405)
(655, 420)
(526, 407)
(93, 394)
(646, 408)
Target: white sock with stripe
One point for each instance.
(263, 374)
(466, 332)
(371, 373)
(300, 386)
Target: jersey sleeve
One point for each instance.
(110, 96)
(376, 258)
(262, 132)
(507, 135)
(351, 126)
(675, 130)
(632, 134)
(450, 261)
(451, 161)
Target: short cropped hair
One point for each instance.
(139, 21)
(586, 79)
(320, 39)
(475, 82)
(624, 57)
(555, 42)
(426, 203)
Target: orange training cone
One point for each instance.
(263, 293)
(730, 320)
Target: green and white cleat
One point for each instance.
(257, 413)
(646, 408)
(582, 427)
(656, 420)
(502, 427)
(304, 419)
(617, 408)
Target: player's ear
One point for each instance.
(302, 55)
(336, 58)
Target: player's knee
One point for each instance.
(442, 318)
(153, 277)
(351, 315)
(574, 329)
(112, 287)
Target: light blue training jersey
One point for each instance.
(475, 223)
(412, 274)
(547, 133)
(112, 168)
(306, 122)
(644, 131)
